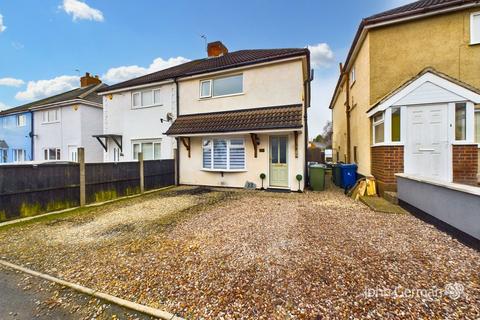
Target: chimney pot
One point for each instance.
(88, 80)
(216, 49)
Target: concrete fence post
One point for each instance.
(81, 161)
(142, 176)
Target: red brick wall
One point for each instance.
(386, 161)
(465, 164)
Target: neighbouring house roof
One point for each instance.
(472, 92)
(266, 118)
(88, 93)
(3, 144)
(411, 10)
(199, 66)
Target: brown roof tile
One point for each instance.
(229, 60)
(267, 118)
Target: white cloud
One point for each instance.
(321, 55)
(2, 26)
(119, 74)
(81, 11)
(11, 82)
(3, 106)
(319, 113)
(44, 88)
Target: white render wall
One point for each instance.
(275, 84)
(75, 127)
(138, 124)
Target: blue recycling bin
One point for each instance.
(349, 175)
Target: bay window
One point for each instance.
(223, 154)
(378, 128)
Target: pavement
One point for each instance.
(23, 297)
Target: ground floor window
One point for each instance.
(18, 155)
(460, 121)
(116, 154)
(151, 149)
(51, 154)
(223, 154)
(378, 128)
(477, 126)
(3, 155)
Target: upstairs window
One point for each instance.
(352, 76)
(51, 115)
(21, 120)
(378, 128)
(146, 98)
(475, 28)
(221, 86)
(223, 154)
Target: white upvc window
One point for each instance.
(379, 128)
(475, 28)
(222, 86)
(146, 98)
(477, 127)
(18, 155)
(51, 154)
(352, 76)
(21, 120)
(223, 154)
(51, 115)
(151, 149)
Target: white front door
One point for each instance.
(427, 146)
(72, 153)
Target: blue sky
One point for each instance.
(44, 43)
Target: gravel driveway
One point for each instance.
(240, 254)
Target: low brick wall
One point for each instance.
(465, 164)
(386, 161)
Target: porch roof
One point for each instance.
(249, 120)
(3, 144)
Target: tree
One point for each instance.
(326, 136)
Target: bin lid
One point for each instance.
(348, 165)
(318, 165)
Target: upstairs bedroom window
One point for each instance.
(21, 120)
(146, 98)
(51, 115)
(224, 154)
(219, 87)
(475, 28)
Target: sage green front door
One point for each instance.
(278, 161)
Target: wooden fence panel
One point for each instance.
(27, 190)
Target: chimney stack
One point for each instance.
(216, 49)
(87, 80)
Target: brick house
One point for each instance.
(407, 100)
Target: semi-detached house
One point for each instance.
(228, 118)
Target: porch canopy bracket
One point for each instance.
(186, 143)
(255, 143)
(295, 133)
(103, 139)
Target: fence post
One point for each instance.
(81, 161)
(142, 176)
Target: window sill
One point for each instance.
(387, 144)
(146, 107)
(473, 44)
(224, 96)
(51, 122)
(463, 143)
(224, 170)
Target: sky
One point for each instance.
(46, 45)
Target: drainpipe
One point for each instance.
(32, 136)
(177, 152)
(344, 72)
(307, 95)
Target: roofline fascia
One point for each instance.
(296, 56)
(232, 132)
(65, 104)
(364, 28)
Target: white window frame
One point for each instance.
(46, 118)
(16, 153)
(352, 77)
(376, 123)
(474, 30)
(141, 142)
(46, 154)
(139, 92)
(470, 123)
(21, 120)
(229, 146)
(212, 83)
(477, 111)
